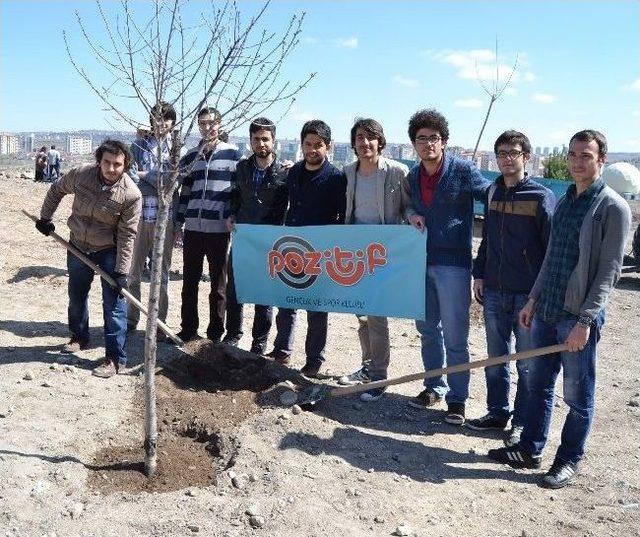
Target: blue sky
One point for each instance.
(578, 66)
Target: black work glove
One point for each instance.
(121, 282)
(45, 226)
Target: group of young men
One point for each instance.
(47, 164)
(543, 272)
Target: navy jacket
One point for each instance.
(449, 218)
(515, 234)
(321, 201)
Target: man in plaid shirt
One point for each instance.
(566, 305)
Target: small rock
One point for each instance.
(39, 487)
(634, 403)
(76, 510)
(239, 482)
(291, 499)
(46, 384)
(289, 398)
(253, 510)
(28, 375)
(295, 409)
(253, 478)
(403, 530)
(473, 450)
(232, 474)
(257, 521)
(379, 520)
(193, 527)
(370, 470)
(524, 534)
(54, 367)
(190, 492)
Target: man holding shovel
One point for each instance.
(103, 223)
(581, 266)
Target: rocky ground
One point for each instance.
(233, 462)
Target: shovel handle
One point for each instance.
(107, 277)
(543, 351)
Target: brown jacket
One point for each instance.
(101, 217)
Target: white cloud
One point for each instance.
(468, 103)
(475, 64)
(346, 42)
(310, 40)
(299, 115)
(405, 81)
(544, 98)
(510, 91)
(634, 86)
(529, 77)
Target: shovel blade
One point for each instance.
(308, 399)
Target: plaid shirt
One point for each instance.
(564, 250)
(149, 208)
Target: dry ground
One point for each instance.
(348, 469)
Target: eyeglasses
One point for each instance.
(431, 140)
(513, 154)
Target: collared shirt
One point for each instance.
(564, 250)
(429, 183)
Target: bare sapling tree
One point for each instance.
(160, 51)
(494, 90)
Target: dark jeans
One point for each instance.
(316, 340)
(114, 307)
(501, 311)
(196, 246)
(579, 382)
(262, 319)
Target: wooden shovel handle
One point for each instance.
(107, 277)
(543, 351)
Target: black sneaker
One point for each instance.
(487, 423)
(187, 336)
(425, 399)
(310, 371)
(231, 340)
(361, 376)
(455, 414)
(515, 457)
(559, 475)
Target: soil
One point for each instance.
(233, 461)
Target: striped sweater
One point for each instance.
(207, 181)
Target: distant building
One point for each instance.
(545, 151)
(538, 151)
(407, 152)
(9, 144)
(78, 146)
(29, 143)
(342, 152)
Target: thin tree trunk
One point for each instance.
(484, 124)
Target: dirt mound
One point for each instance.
(203, 394)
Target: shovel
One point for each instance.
(309, 398)
(109, 280)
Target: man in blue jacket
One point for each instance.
(316, 197)
(517, 220)
(566, 305)
(443, 188)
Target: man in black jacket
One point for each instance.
(316, 197)
(517, 221)
(260, 196)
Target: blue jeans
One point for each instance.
(447, 326)
(501, 320)
(114, 308)
(579, 380)
(316, 340)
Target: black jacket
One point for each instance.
(321, 201)
(514, 236)
(265, 203)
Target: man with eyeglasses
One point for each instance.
(517, 221)
(443, 187)
(208, 176)
(566, 305)
(259, 196)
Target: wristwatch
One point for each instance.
(584, 320)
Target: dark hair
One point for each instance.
(115, 147)
(372, 128)
(43, 148)
(164, 111)
(317, 127)
(210, 110)
(588, 135)
(262, 124)
(53, 147)
(512, 137)
(428, 119)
